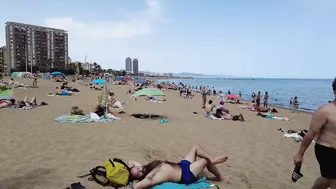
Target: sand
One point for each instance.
(36, 153)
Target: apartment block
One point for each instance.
(30, 45)
(3, 60)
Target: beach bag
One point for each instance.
(111, 173)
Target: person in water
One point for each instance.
(295, 104)
(184, 172)
(322, 125)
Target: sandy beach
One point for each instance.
(36, 153)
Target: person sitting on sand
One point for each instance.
(184, 172)
(208, 108)
(221, 107)
(129, 92)
(64, 92)
(222, 115)
(100, 110)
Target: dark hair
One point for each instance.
(210, 101)
(334, 84)
(12, 100)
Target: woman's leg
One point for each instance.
(33, 100)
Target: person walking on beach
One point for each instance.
(266, 100)
(295, 104)
(204, 96)
(240, 95)
(291, 101)
(258, 99)
(322, 125)
(253, 95)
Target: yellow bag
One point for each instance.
(111, 173)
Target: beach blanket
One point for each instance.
(156, 101)
(67, 118)
(201, 183)
(295, 136)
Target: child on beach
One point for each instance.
(35, 83)
(208, 108)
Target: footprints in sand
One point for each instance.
(150, 155)
(244, 179)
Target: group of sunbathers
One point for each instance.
(66, 90)
(23, 104)
(220, 112)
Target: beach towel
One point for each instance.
(24, 107)
(67, 118)
(201, 183)
(155, 101)
(296, 137)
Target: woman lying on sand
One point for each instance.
(6, 103)
(184, 172)
(20, 103)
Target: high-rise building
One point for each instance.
(3, 59)
(30, 45)
(135, 66)
(128, 64)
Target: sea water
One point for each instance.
(311, 93)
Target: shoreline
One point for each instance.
(282, 107)
(245, 97)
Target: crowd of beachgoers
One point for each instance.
(109, 107)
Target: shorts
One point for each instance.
(326, 157)
(187, 176)
(258, 101)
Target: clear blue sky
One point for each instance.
(244, 38)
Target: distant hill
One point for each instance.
(195, 75)
(187, 74)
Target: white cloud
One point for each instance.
(87, 37)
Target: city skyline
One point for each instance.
(282, 39)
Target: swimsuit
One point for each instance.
(187, 176)
(64, 93)
(326, 157)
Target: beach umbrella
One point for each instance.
(98, 81)
(232, 96)
(56, 73)
(103, 97)
(148, 92)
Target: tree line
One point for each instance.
(70, 69)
